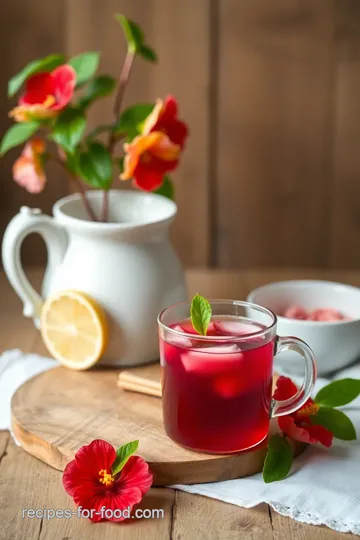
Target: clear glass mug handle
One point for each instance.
(287, 406)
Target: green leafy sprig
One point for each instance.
(279, 455)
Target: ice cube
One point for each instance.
(236, 328)
(187, 327)
(171, 348)
(212, 359)
(176, 339)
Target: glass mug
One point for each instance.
(217, 389)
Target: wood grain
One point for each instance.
(209, 519)
(145, 380)
(28, 483)
(270, 91)
(182, 39)
(180, 69)
(57, 412)
(25, 481)
(34, 29)
(273, 147)
(19, 473)
(286, 529)
(344, 219)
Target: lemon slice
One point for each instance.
(74, 329)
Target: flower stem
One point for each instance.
(79, 184)
(122, 84)
(105, 206)
(86, 202)
(123, 80)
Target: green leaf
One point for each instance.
(335, 421)
(166, 189)
(148, 53)
(99, 87)
(200, 313)
(69, 129)
(85, 66)
(36, 66)
(18, 134)
(338, 393)
(122, 455)
(120, 163)
(278, 459)
(132, 119)
(133, 33)
(100, 129)
(72, 162)
(96, 166)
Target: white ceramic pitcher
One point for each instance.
(127, 265)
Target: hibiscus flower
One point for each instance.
(46, 94)
(28, 169)
(298, 425)
(157, 149)
(88, 479)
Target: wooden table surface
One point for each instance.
(26, 482)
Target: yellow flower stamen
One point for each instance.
(309, 410)
(49, 101)
(106, 478)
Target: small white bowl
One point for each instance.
(335, 344)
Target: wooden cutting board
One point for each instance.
(56, 412)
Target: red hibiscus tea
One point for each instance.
(217, 388)
(217, 395)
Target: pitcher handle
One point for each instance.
(27, 221)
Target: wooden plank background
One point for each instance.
(270, 90)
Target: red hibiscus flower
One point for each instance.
(298, 425)
(156, 150)
(28, 169)
(88, 479)
(46, 94)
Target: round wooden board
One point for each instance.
(56, 412)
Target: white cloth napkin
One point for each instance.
(322, 489)
(16, 368)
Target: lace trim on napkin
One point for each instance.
(314, 519)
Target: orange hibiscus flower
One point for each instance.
(28, 169)
(157, 149)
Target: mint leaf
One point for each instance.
(278, 459)
(122, 455)
(96, 166)
(99, 87)
(200, 313)
(338, 393)
(166, 189)
(335, 421)
(17, 134)
(148, 53)
(69, 129)
(132, 119)
(36, 66)
(85, 66)
(133, 33)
